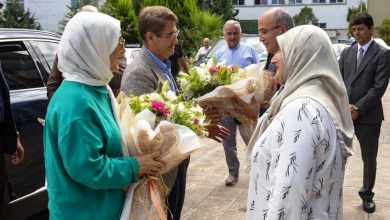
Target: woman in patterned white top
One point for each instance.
(299, 148)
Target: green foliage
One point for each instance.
(123, 10)
(384, 30)
(220, 7)
(14, 16)
(195, 24)
(305, 16)
(352, 12)
(72, 12)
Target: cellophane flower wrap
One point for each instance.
(205, 78)
(157, 121)
(215, 85)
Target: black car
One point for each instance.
(249, 39)
(26, 57)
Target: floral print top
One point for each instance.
(297, 169)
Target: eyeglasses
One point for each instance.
(265, 31)
(122, 41)
(169, 35)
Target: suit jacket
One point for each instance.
(7, 123)
(367, 84)
(143, 76)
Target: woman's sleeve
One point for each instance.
(295, 141)
(80, 143)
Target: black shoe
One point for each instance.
(231, 180)
(369, 206)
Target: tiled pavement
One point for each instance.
(207, 197)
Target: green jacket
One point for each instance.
(85, 170)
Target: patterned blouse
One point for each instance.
(297, 170)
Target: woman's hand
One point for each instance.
(250, 110)
(149, 164)
(213, 115)
(217, 132)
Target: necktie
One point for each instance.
(359, 57)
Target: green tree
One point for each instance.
(352, 12)
(72, 12)
(14, 16)
(384, 30)
(305, 16)
(220, 7)
(193, 22)
(123, 10)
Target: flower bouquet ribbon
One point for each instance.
(157, 121)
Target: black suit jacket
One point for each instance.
(367, 84)
(7, 128)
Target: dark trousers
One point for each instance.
(176, 197)
(368, 137)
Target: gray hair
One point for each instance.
(236, 23)
(283, 17)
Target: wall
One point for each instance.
(334, 15)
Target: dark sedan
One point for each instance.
(26, 57)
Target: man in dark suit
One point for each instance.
(9, 140)
(365, 68)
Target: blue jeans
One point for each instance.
(230, 144)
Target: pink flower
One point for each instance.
(159, 107)
(196, 122)
(212, 70)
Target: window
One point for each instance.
(48, 50)
(336, 1)
(20, 2)
(292, 2)
(18, 67)
(261, 2)
(278, 2)
(321, 25)
(319, 1)
(79, 3)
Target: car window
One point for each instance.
(18, 67)
(48, 50)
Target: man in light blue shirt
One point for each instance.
(235, 52)
(242, 55)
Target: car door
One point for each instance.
(25, 65)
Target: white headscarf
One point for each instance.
(84, 51)
(310, 70)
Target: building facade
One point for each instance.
(331, 14)
(378, 10)
(49, 13)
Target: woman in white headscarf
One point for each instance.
(299, 148)
(86, 173)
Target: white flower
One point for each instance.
(170, 96)
(156, 97)
(181, 106)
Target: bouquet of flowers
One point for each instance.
(157, 121)
(251, 84)
(204, 79)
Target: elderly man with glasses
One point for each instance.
(271, 24)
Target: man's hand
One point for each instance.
(18, 157)
(249, 110)
(217, 132)
(354, 111)
(149, 164)
(213, 115)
